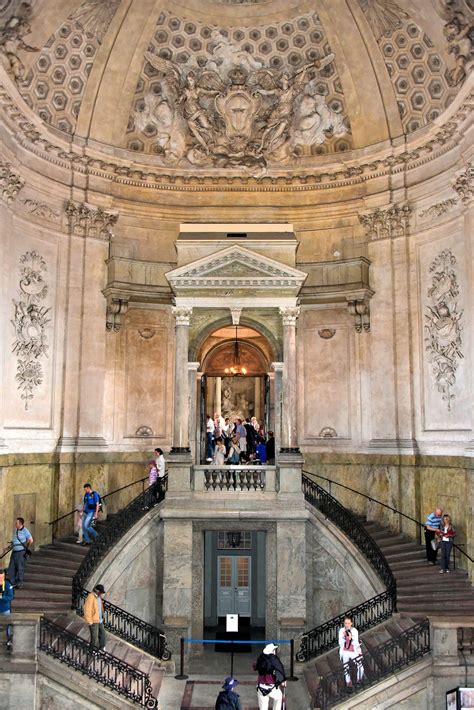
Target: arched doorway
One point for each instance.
(235, 380)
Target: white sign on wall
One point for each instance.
(232, 623)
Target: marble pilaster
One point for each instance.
(193, 384)
(181, 382)
(277, 368)
(289, 429)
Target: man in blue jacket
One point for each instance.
(6, 597)
(227, 699)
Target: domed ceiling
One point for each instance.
(236, 84)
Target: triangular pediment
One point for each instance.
(236, 267)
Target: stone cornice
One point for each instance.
(28, 132)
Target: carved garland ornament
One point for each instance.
(30, 320)
(443, 326)
(464, 183)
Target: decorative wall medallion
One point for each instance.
(30, 320)
(144, 431)
(327, 432)
(439, 209)
(443, 326)
(464, 183)
(11, 182)
(327, 333)
(146, 333)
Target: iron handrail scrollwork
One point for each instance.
(112, 531)
(130, 628)
(365, 616)
(378, 663)
(101, 666)
(371, 612)
(348, 523)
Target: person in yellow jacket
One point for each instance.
(94, 616)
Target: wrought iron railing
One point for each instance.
(323, 638)
(371, 612)
(234, 478)
(101, 666)
(374, 665)
(112, 530)
(348, 523)
(131, 628)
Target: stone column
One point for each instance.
(289, 431)
(193, 380)
(277, 368)
(181, 386)
(218, 396)
(258, 399)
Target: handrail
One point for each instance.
(112, 531)
(385, 505)
(107, 495)
(101, 666)
(348, 523)
(131, 628)
(367, 614)
(377, 663)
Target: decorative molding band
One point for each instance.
(11, 182)
(439, 209)
(387, 222)
(464, 183)
(124, 172)
(88, 221)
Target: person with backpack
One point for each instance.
(271, 678)
(91, 511)
(6, 597)
(227, 699)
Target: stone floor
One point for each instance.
(206, 674)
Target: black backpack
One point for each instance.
(264, 664)
(225, 701)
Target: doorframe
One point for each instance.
(225, 553)
(198, 581)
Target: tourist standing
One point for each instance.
(209, 438)
(160, 463)
(219, 453)
(20, 544)
(447, 534)
(233, 456)
(91, 511)
(350, 650)
(432, 524)
(271, 678)
(227, 699)
(270, 449)
(94, 616)
(79, 517)
(241, 434)
(6, 598)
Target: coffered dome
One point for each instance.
(232, 84)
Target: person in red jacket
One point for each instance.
(446, 536)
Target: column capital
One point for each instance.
(182, 314)
(386, 222)
(277, 366)
(289, 314)
(193, 366)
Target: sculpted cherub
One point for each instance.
(458, 36)
(11, 42)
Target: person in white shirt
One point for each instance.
(349, 650)
(160, 463)
(209, 438)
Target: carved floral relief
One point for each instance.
(443, 324)
(30, 320)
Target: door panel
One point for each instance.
(234, 590)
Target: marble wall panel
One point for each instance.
(443, 338)
(29, 322)
(327, 376)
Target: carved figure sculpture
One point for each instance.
(226, 55)
(458, 34)
(11, 42)
(315, 121)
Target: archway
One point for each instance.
(235, 379)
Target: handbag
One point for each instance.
(435, 544)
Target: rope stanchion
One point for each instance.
(182, 675)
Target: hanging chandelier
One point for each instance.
(236, 370)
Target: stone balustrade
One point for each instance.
(234, 478)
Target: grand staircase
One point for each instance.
(421, 590)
